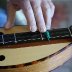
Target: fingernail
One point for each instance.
(48, 24)
(42, 29)
(48, 27)
(33, 28)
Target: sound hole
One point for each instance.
(2, 57)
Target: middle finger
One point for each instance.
(36, 5)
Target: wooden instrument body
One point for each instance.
(34, 58)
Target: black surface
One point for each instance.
(9, 38)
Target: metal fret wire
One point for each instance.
(3, 38)
(15, 38)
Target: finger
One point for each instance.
(52, 7)
(36, 5)
(47, 13)
(27, 9)
(11, 16)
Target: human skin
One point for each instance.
(38, 13)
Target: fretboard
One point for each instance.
(28, 37)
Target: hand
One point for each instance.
(38, 13)
(8, 25)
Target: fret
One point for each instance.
(42, 37)
(15, 38)
(59, 33)
(3, 39)
(36, 36)
(20, 37)
(28, 37)
(9, 39)
(69, 31)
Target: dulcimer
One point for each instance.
(30, 38)
(24, 51)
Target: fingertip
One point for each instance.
(33, 29)
(42, 29)
(48, 24)
(48, 27)
(8, 26)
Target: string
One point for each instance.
(31, 37)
